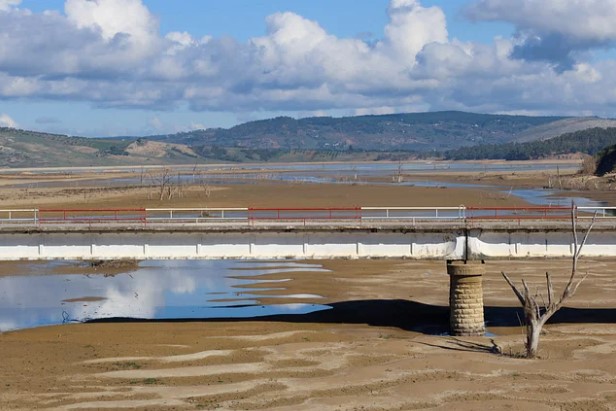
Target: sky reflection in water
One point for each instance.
(156, 290)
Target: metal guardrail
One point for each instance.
(599, 212)
(255, 215)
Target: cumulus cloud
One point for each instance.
(111, 53)
(6, 121)
(8, 4)
(552, 30)
(412, 27)
(114, 18)
(582, 20)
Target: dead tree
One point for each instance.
(164, 181)
(536, 313)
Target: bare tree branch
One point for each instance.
(550, 289)
(514, 288)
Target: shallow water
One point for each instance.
(308, 172)
(535, 196)
(355, 173)
(155, 290)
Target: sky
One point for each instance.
(142, 67)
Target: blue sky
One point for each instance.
(139, 67)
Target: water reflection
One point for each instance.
(156, 290)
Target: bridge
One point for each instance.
(464, 236)
(446, 233)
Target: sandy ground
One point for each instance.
(83, 188)
(375, 350)
(381, 346)
(265, 194)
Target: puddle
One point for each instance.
(155, 290)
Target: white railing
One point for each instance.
(195, 215)
(600, 212)
(401, 213)
(19, 215)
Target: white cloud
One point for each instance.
(111, 53)
(6, 121)
(581, 20)
(412, 27)
(8, 4)
(113, 18)
(553, 30)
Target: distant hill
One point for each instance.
(564, 126)
(378, 137)
(21, 148)
(416, 132)
(590, 141)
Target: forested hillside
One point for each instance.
(452, 135)
(606, 162)
(590, 141)
(414, 132)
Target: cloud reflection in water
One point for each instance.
(156, 290)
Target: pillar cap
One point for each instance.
(470, 268)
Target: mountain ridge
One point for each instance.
(370, 137)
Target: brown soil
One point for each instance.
(370, 352)
(253, 195)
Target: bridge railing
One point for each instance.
(600, 212)
(414, 213)
(19, 216)
(195, 215)
(304, 214)
(253, 216)
(91, 216)
(518, 213)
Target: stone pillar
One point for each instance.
(466, 297)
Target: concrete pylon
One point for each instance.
(466, 298)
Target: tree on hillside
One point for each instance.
(536, 310)
(606, 162)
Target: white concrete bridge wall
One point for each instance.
(520, 244)
(240, 245)
(298, 244)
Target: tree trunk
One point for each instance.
(533, 333)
